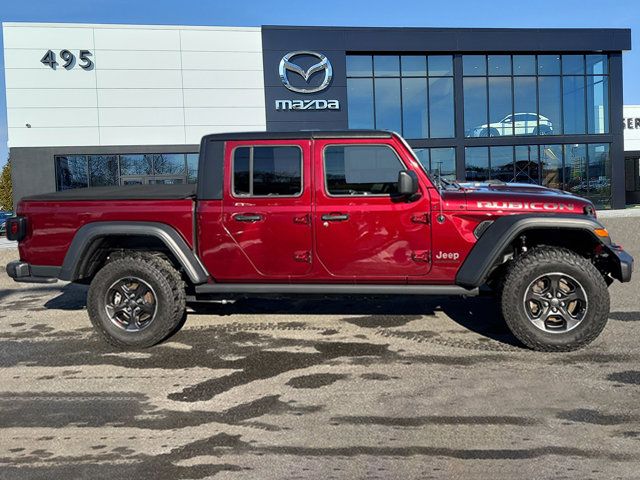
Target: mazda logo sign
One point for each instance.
(287, 66)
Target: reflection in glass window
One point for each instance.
(500, 118)
(597, 64)
(438, 162)
(361, 170)
(71, 172)
(387, 101)
(524, 64)
(443, 162)
(267, 171)
(475, 107)
(414, 65)
(550, 106)
(386, 65)
(103, 170)
(573, 103)
(477, 164)
(440, 65)
(575, 177)
(136, 164)
(525, 121)
(573, 64)
(499, 65)
(423, 157)
(548, 64)
(359, 65)
(415, 119)
(526, 167)
(277, 171)
(241, 171)
(502, 163)
(599, 174)
(192, 167)
(360, 102)
(441, 114)
(598, 104)
(169, 164)
(473, 65)
(551, 165)
(409, 94)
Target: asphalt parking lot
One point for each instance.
(400, 387)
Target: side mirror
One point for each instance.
(407, 183)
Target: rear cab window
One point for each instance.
(267, 171)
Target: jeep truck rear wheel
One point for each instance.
(137, 300)
(554, 300)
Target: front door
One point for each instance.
(267, 208)
(364, 231)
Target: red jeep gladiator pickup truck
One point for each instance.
(350, 212)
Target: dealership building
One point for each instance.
(96, 105)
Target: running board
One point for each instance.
(331, 289)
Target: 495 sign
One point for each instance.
(68, 58)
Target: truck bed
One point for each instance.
(54, 218)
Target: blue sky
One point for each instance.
(398, 13)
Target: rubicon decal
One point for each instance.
(537, 206)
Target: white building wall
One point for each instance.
(149, 84)
(632, 128)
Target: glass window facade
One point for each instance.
(583, 169)
(507, 95)
(81, 171)
(409, 94)
(438, 162)
(560, 99)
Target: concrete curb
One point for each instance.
(626, 213)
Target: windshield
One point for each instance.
(438, 180)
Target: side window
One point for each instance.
(361, 170)
(267, 171)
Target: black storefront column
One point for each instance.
(458, 105)
(616, 152)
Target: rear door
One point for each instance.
(267, 207)
(364, 231)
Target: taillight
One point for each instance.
(16, 228)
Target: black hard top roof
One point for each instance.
(299, 135)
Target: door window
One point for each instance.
(267, 171)
(361, 170)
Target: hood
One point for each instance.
(522, 197)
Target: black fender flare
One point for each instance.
(498, 236)
(87, 234)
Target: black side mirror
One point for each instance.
(407, 183)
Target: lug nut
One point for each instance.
(554, 309)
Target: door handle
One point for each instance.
(248, 217)
(335, 217)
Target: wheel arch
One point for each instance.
(570, 231)
(81, 259)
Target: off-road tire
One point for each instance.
(167, 284)
(530, 266)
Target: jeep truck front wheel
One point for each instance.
(554, 300)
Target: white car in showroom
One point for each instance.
(516, 124)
